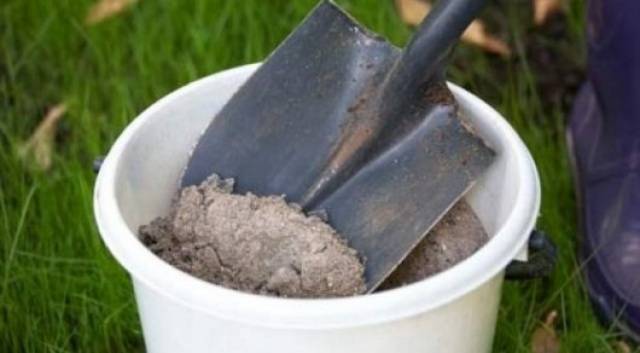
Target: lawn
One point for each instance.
(61, 291)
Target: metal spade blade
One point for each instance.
(338, 119)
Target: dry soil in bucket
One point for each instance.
(265, 245)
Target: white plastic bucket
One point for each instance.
(454, 311)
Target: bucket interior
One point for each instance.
(148, 171)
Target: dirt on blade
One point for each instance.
(457, 236)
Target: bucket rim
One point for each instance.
(431, 293)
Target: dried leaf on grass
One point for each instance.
(545, 338)
(104, 9)
(477, 34)
(412, 12)
(544, 9)
(622, 347)
(39, 147)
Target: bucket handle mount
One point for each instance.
(541, 262)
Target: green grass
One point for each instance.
(60, 290)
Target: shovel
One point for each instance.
(344, 123)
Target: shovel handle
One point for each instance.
(424, 58)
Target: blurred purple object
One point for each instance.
(604, 135)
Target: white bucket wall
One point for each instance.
(454, 311)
